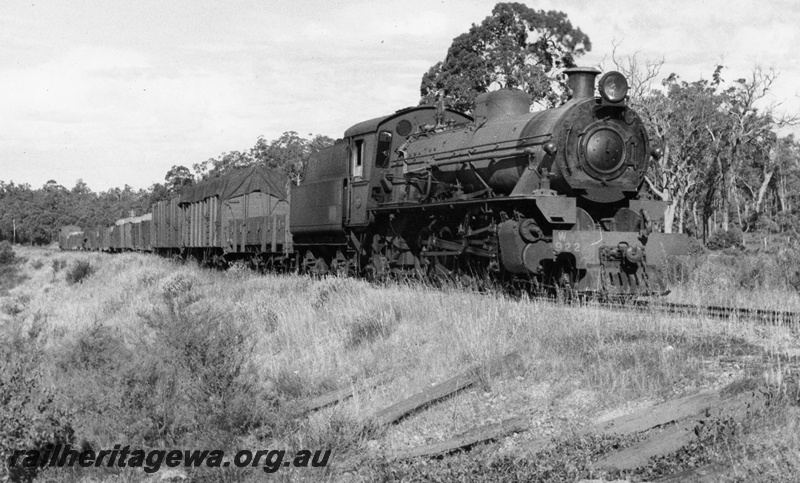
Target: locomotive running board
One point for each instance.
(557, 210)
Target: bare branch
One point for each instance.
(640, 74)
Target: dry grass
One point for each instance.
(752, 279)
(302, 337)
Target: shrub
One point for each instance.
(11, 308)
(722, 239)
(330, 289)
(58, 264)
(186, 381)
(206, 347)
(747, 270)
(10, 274)
(96, 348)
(767, 225)
(17, 305)
(29, 416)
(80, 272)
(789, 267)
(148, 278)
(270, 321)
(369, 327)
(7, 255)
(340, 433)
(176, 285)
(289, 385)
(679, 269)
(787, 221)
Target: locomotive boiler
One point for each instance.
(552, 199)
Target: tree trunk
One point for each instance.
(784, 196)
(669, 217)
(725, 220)
(738, 208)
(723, 194)
(786, 201)
(762, 190)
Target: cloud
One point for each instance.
(95, 101)
(118, 95)
(161, 86)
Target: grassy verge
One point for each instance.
(755, 278)
(10, 273)
(147, 352)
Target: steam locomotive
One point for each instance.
(550, 200)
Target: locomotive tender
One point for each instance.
(550, 199)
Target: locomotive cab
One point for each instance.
(375, 148)
(344, 182)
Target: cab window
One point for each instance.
(357, 158)
(384, 148)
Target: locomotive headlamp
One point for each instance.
(613, 87)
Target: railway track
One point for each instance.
(644, 304)
(764, 316)
(775, 317)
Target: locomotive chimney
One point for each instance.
(502, 103)
(581, 81)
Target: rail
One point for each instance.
(766, 316)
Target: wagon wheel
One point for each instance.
(440, 268)
(378, 268)
(320, 267)
(564, 282)
(377, 264)
(314, 265)
(438, 272)
(341, 266)
(447, 262)
(277, 264)
(258, 264)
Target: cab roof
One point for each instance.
(372, 125)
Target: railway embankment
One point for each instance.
(398, 381)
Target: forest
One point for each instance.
(34, 216)
(727, 159)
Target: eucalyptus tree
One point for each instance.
(516, 47)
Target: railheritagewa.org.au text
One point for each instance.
(62, 456)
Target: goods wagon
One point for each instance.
(132, 233)
(239, 215)
(166, 225)
(70, 237)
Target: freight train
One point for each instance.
(550, 200)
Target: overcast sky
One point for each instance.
(116, 92)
